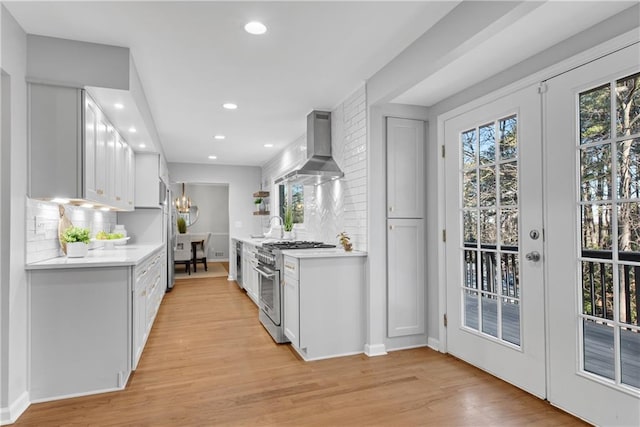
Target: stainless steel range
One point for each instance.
(270, 272)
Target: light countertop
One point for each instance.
(322, 253)
(119, 256)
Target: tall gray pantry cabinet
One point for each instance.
(405, 227)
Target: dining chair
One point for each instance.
(200, 249)
(183, 253)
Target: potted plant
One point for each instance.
(77, 241)
(287, 223)
(258, 202)
(182, 225)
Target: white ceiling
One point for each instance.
(194, 56)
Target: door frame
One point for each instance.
(603, 49)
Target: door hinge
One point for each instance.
(542, 88)
(445, 320)
(443, 150)
(444, 235)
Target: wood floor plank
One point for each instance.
(208, 361)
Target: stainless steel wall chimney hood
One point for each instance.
(320, 166)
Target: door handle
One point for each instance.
(533, 256)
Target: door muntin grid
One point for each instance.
(608, 156)
(490, 289)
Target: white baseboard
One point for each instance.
(375, 350)
(12, 413)
(230, 278)
(407, 347)
(433, 344)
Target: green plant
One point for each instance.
(76, 234)
(288, 218)
(345, 241)
(258, 200)
(182, 225)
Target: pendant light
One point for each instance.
(183, 203)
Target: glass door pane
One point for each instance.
(609, 200)
(490, 194)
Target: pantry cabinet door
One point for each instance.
(405, 168)
(406, 281)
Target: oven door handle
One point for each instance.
(266, 273)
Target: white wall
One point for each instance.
(339, 205)
(243, 181)
(14, 315)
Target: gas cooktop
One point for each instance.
(296, 245)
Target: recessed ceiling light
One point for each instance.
(255, 27)
(142, 146)
(213, 157)
(268, 145)
(132, 129)
(219, 137)
(229, 106)
(104, 208)
(118, 106)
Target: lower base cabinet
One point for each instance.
(324, 305)
(149, 278)
(80, 331)
(89, 326)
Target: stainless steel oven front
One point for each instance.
(270, 291)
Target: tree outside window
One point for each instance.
(292, 195)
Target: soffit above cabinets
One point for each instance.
(125, 118)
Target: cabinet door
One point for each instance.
(139, 321)
(131, 174)
(406, 281)
(405, 168)
(90, 148)
(119, 170)
(292, 310)
(147, 180)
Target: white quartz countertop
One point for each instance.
(119, 256)
(322, 253)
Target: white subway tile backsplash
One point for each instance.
(42, 226)
(339, 205)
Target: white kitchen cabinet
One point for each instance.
(406, 277)
(147, 183)
(149, 284)
(249, 274)
(130, 174)
(80, 323)
(405, 168)
(70, 157)
(324, 305)
(291, 301)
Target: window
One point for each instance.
(292, 195)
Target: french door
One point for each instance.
(494, 249)
(592, 188)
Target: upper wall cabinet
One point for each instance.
(405, 168)
(74, 151)
(147, 186)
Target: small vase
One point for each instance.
(77, 249)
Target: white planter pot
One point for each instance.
(77, 250)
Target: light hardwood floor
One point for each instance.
(209, 362)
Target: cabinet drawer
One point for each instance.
(291, 267)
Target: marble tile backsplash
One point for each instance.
(42, 226)
(339, 205)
